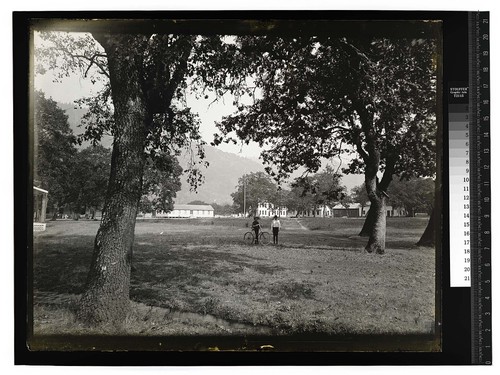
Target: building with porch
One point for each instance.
(40, 200)
(320, 211)
(266, 209)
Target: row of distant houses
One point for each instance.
(350, 210)
(185, 211)
(269, 210)
(207, 211)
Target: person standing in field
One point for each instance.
(256, 228)
(275, 227)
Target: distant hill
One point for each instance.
(221, 176)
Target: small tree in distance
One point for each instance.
(224, 209)
(198, 202)
(320, 189)
(162, 181)
(89, 179)
(415, 195)
(252, 189)
(358, 195)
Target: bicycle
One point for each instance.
(264, 238)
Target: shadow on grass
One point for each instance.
(162, 261)
(347, 242)
(164, 271)
(162, 268)
(61, 264)
(210, 271)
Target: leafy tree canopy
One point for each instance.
(89, 177)
(358, 194)
(166, 63)
(198, 202)
(224, 209)
(322, 188)
(316, 97)
(54, 149)
(161, 183)
(414, 195)
(252, 189)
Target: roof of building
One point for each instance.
(350, 206)
(356, 206)
(271, 205)
(39, 189)
(202, 207)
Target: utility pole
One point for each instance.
(244, 197)
(279, 202)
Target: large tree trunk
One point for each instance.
(106, 295)
(375, 191)
(368, 224)
(427, 238)
(376, 240)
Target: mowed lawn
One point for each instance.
(198, 277)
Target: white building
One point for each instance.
(269, 210)
(40, 199)
(390, 210)
(352, 210)
(187, 211)
(320, 211)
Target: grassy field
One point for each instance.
(197, 277)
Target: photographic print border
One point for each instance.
(311, 349)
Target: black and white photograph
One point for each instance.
(235, 184)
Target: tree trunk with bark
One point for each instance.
(376, 240)
(427, 238)
(368, 224)
(376, 217)
(106, 295)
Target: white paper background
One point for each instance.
(6, 187)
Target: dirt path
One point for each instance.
(295, 224)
